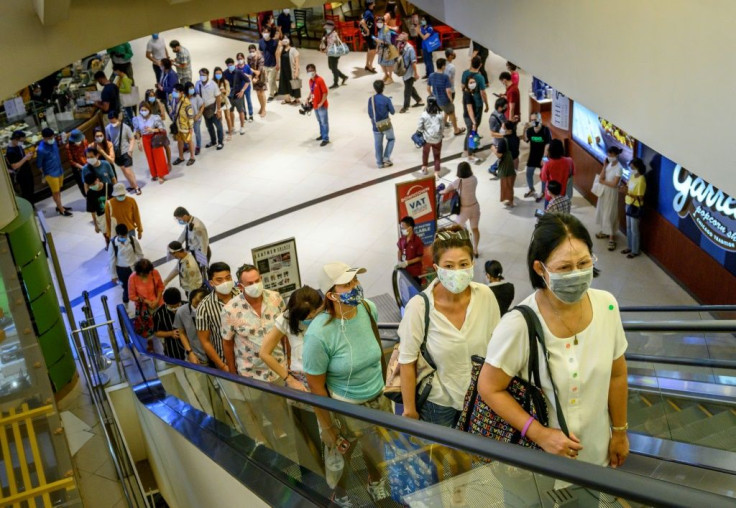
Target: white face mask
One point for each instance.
(266, 36)
(612, 159)
(472, 86)
(455, 281)
(225, 288)
(311, 74)
(254, 290)
(145, 113)
(92, 160)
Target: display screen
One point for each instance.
(596, 135)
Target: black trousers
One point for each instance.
(24, 177)
(77, 173)
(410, 91)
(337, 74)
(214, 127)
(157, 70)
(124, 273)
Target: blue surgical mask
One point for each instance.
(218, 76)
(424, 22)
(155, 36)
(122, 239)
(352, 297)
(120, 198)
(182, 222)
(231, 68)
(307, 322)
(203, 78)
(152, 99)
(175, 95)
(191, 91)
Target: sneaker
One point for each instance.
(210, 145)
(529, 194)
(387, 163)
(377, 490)
(403, 110)
(343, 502)
(319, 138)
(344, 80)
(196, 151)
(65, 213)
(242, 130)
(334, 86)
(323, 143)
(220, 146)
(250, 119)
(270, 99)
(539, 198)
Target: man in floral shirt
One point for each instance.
(246, 319)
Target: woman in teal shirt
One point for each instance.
(342, 360)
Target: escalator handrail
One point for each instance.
(629, 486)
(677, 360)
(678, 308)
(711, 325)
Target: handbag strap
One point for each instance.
(373, 104)
(423, 348)
(374, 326)
(536, 335)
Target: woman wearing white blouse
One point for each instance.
(586, 343)
(462, 316)
(147, 125)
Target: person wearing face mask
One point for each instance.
(182, 114)
(19, 166)
(495, 122)
(184, 321)
(197, 103)
(466, 185)
(242, 64)
(97, 195)
(120, 135)
(538, 136)
(368, 30)
(329, 39)
(283, 21)
(425, 32)
(586, 344)
(208, 321)
(472, 114)
(103, 148)
(512, 95)
(343, 359)
(239, 83)
(122, 257)
(146, 289)
(109, 95)
(430, 125)
(462, 317)
(168, 79)
(411, 249)
(502, 289)
(635, 190)
(187, 269)
(100, 169)
(288, 57)
(226, 109)
(409, 57)
(156, 51)
(76, 149)
(557, 168)
(385, 50)
(210, 93)
(606, 210)
(256, 62)
(194, 237)
(147, 128)
(48, 161)
(246, 320)
(123, 209)
(268, 46)
(163, 324)
(318, 97)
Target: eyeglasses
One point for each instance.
(583, 264)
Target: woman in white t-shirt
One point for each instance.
(462, 316)
(304, 304)
(606, 210)
(586, 343)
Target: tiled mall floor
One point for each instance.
(276, 165)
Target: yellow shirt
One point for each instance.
(637, 189)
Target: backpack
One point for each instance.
(401, 66)
(115, 247)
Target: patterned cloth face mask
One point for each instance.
(352, 297)
(455, 281)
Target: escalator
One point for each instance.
(265, 437)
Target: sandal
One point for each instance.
(601, 235)
(178, 161)
(138, 191)
(626, 251)
(191, 161)
(632, 255)
(424, 170)
(460, 132)
(611, 245)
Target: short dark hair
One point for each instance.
(245, 267)
(554, 187)
(451, 237)
(215, 267)
(172, 296)
(509, 126)
(90, 149)
(175, 246)
(252, 46)
(180, 212)
(552, 229)
(614, 150)
(174, 44)
(189, 85)
(302, 302)
(505, 76)
(118, 67)
(100, 75)
(441, 62)
(556, 149)
(196, 292)
(638, 164)
(229, 61)
(179, 87)
(311, 66)
(475, 62)
(449, 51)
(409, 221)
(494, 269)
(379, 85)
(501, 102)
(204, 70)
(91, 178)
(238, 55)
(143, 266)
(166, 63)
(464, 170)
(511, 66)
(121, 229)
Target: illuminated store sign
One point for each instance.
(713, 212)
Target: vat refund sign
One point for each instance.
(713, 211)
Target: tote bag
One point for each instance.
(597, 187)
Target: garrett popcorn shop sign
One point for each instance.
(713, 212)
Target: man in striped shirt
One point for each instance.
(209, 320)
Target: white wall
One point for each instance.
(660, 69)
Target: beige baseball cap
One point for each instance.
(337, 273)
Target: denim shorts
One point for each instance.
(439, 415)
